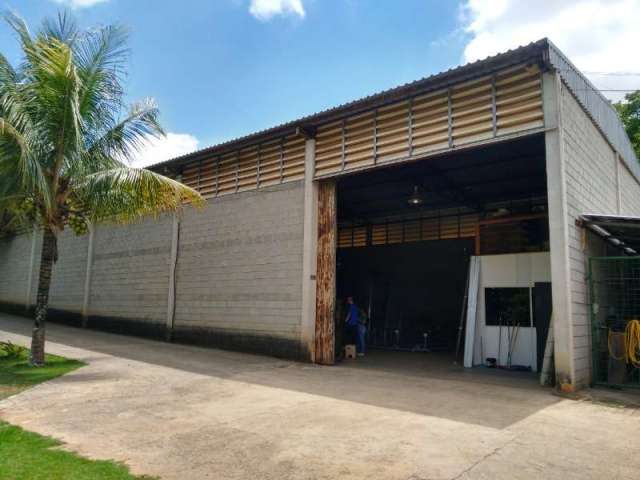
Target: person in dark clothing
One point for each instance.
(352, 324)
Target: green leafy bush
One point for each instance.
(11, 351)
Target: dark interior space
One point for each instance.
(406, 232)
(409, 289)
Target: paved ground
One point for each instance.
(185, 412)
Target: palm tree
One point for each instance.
(65, 142)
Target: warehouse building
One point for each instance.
(455, 209)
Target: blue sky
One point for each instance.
(224, 68)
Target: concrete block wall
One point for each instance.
(239, 270)
(67, 287)
(130, 273)
(15, 258)
(596, 182)
(629, 192)
(238, 273)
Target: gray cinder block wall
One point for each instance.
(130, 273)
(67, 289)
(239, 271)
(597, 181)
(15, 259)
(238, 276)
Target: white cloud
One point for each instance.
(165, 148)
(79, 3)
(267, 9)
(596, 35)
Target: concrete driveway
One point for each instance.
(184, 412)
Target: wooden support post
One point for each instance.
(326, 274)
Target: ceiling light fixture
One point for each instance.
(416, 197)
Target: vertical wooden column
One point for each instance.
(326, 274)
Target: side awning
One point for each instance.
(620, 231)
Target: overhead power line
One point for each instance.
(615, 74)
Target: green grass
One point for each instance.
(27, 455)
(17, 375)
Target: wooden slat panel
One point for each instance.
(394, 233)
(329, 149)
(358, 141)
(392, 131)
(519, 100)
(345, 237)
(248, 169)
(412, 231)
(430, 229)
(360, 236)
(293, 158)
(379, 234)
(471, 111)
(227, 169)
(270, 163)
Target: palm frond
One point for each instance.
(63, 28)
(130, 134)
(19, 26)
(125, 194)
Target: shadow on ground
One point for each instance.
(425, 384)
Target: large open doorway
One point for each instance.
(405, 235)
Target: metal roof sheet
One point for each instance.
(621, 231)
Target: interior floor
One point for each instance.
(436, 365)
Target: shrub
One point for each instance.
(11, 351)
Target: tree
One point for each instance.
(629, 111)
(66, 138)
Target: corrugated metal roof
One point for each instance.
(598, 107)
(621, 231)
(531, 52)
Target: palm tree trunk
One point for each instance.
(47, 259)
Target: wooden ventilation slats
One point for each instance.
(191, 175)
(359, 236)
(430, 228)
(248, 169)
(271, 163)
(504, 103)
(394, 233)
(293, 159)
(468, 225)
(227, 174)
(329, 149)
(471, 111)
(358, 141)
(407, 231)
(208, 185)
(392, 132)
(518, 100)
(345, 237)
(449, 228)
(261, 165)
(411, 231)
(379, 234)
(430, 126)
(478, 110)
